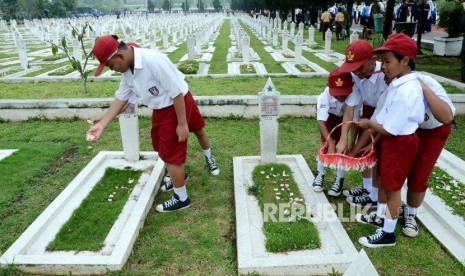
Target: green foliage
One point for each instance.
(76, 64)
(54, 57)
(450, 17)
(217, 5)
(189, 67)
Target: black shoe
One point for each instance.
(361, 201)
(410, 227)
(378, 239)
(168, 186)
(173, 204)
(357, 191)
(336, 189)
(370, 218)
(212, 165)
(318, 182)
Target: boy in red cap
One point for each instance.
(368, 88)
(150, 75)
(397, 120)
(330, 108)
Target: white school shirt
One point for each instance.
(367, 91)
(155, 80)
(403, 109)
(327, 104)
(430, 121)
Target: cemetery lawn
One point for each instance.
(206, 86)
(202, 239)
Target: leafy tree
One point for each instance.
(200, 6)
(185, 6)
(9, 8)
(166, 5)
(217, 5)
(76, 64)
(150, 6)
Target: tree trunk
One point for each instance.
(387, 28)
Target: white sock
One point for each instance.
(207, 153)
(368, 183)
(389, 225)
(340, 173)
(381, 210)
(373, 194)
(181, 192)
(411, 211)
(321, 168)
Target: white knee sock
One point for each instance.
(320, 168)
(368, 183)
(181, 192)
(389, 225)
(411, 211)
(207, 153)
(373, 194)
(340, 173)
(381, 210)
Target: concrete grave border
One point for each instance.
(28, 251)
(337, 250)
(4, 153)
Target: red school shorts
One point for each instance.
(396, 159)
(432, 142)
(164, 137)
(331, 122)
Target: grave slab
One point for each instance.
(28, 251)
(337, 250)
(6, 152)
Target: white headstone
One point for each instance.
(22, 52)
(311, 35)
(275, 37)
(328, 36)
(285, 40)
(353, 37)
(129, 126)
(298, 48)
(245, 49)
(268, 101)
(153, 40)
(292, 33)
(77, 51)
(190, 47)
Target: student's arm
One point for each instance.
(96, 130)
(440, 109)
(182, 130)
(325, 132)
(348, 116)
(367, 124)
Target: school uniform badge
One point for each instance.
(154, 91)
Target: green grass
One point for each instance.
(62, 71)
(274, 185)
(218, 64)
(202, 239)
(46, 68)
(90, 224)
(189, 67)
(177, 54)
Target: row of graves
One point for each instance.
(294, 202)
(28, 44)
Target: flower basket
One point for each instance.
(346, 162)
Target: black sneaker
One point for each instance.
(378, 239)
(370, 218)
(361, 201)
(168, 186)
(173, 204)
(357, 191)
(336, 189)
(212, 165)
(410, 227)
(318, 182)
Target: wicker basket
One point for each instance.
(346, 162)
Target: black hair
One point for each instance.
(411, 63)
(122, 45)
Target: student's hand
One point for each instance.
(95, 132)
(182, 131)
(364, 123)
(341, 146)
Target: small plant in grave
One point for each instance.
(54, 57)
(247, 69)
(189, 67)
(237, 54)
(276, 190)
(76, 64)
(287, 54)
(304, 68)
(448, 189)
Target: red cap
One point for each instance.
(340, 83)
(400, 44)
(356, 53)
(132, 44)
(105, 47)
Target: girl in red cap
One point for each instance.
(397, 120)
(330, 108)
